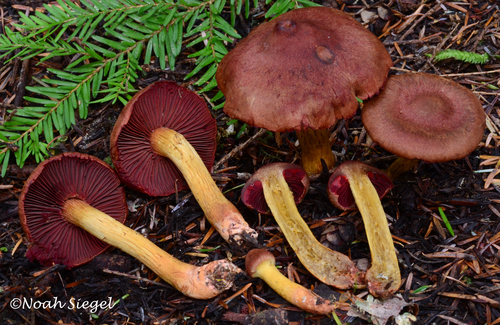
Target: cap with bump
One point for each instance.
(303, 69)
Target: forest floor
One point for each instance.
(447, 279)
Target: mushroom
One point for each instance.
(302, 71)
(259, 263)
(166, 134)
(424, 116)
(354, 182)
(72, 206)
(278, 187)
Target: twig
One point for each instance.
(413, 41)
(15, 69)
(469, 73)
(238, 148)
(21, 85)
(3, 118)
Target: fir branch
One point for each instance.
(104, 65)
(463, 56)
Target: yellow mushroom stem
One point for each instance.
(203, 282)
(330, 267)
(383, 277)
(221, 213)
(290, 291)
(314, 146)
(400, 166)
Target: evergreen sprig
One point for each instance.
(463, 56)
(107, 41)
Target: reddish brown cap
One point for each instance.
(162, 104)
(252, 194)
(339, 191)
(67, 176)
(302, 70)
(425, 116)
(255, 258)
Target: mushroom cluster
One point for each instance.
(331, 61)
(278, 187)
(302, 71)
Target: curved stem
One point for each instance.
(329, 266)
(292, 292)
(196, 282)
(383, 277)
(400, 166)
(221, 213)
(314, 146)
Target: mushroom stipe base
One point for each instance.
(221, 213)
(203, 282)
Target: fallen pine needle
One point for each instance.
(17, 246)
(450, 255)
(451, 320)
(245, 288)
(476, 298)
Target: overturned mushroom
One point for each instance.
(426, 117)
(164, 134)
(64, 208)
(278, 186)
(302, 71)
(356, 183)
(259, 263)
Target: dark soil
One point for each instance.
(457, 276)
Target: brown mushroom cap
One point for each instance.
(302, 70)
(425, 116)
(162, 104)
(339, 191)
(67, 176)
(252, 194)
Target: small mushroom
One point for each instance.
(302, 71)
(425, 117)
(278, 187)
(259, 263)
(356, 183)
(165, 135)
(72, 207)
